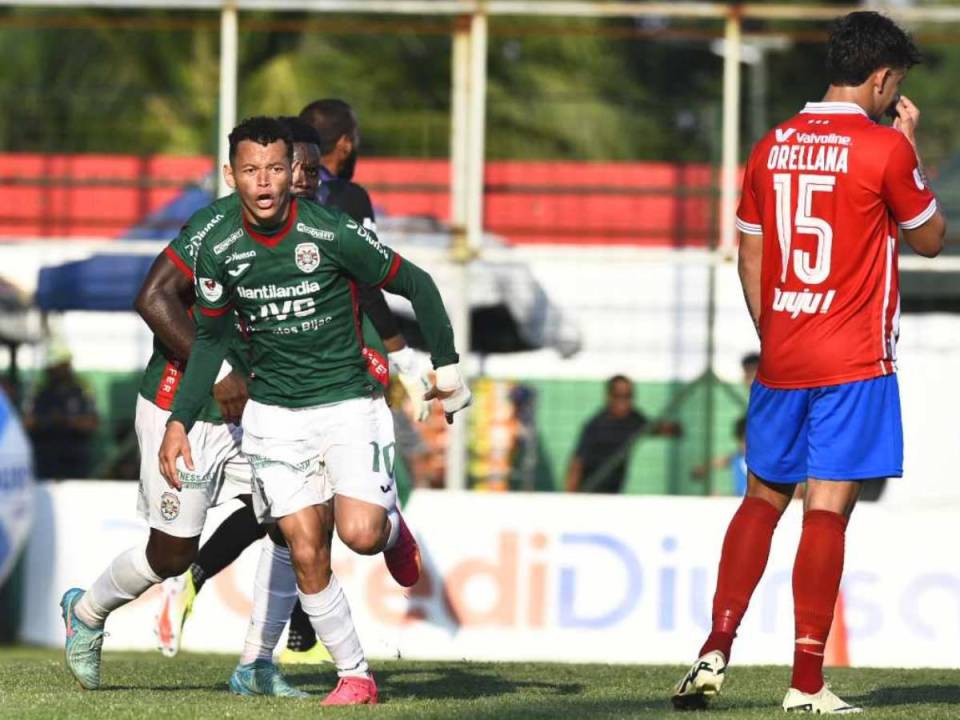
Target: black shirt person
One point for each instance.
(599, 464)
(62, 422)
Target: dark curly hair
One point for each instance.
(863, 42)
(300, 131)
(263, 130)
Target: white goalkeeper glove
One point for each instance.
(451, 391)
(415, 378)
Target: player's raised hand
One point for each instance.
(908, 117)
(175, 444)
(231, 396)
(451, 391)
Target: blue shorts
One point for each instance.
(838, 432)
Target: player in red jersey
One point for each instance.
(825, 197)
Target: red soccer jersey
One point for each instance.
(827, 190)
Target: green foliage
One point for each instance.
(110, 87)
(576, 89)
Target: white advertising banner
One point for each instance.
(544, 577)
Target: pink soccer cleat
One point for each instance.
(353, 691)
(403, 559)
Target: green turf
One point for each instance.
(140, 686)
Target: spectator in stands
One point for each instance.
(599, 463)
(61, 421)
(735, 461)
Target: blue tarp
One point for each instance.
(101, 282)
(165, 223)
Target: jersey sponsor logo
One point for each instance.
(818, 159)
(371, 240)
(241, 256)
(299, 308)
(273, 292)
(282, 313)
(794, 303)
(307, 256)
(316, 232)
(210, 289)
(220, 247)
(238, 270)
(784, 134)
(806, 138)
(192, 480)
(197, 237)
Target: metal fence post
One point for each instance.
(228, 89)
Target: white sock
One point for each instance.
(393, 517)
(329, 614)
(125, 579)
(274, 595)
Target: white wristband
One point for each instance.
(449, 378)
(404, 359)
(225, 370)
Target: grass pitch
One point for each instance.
(35, 684)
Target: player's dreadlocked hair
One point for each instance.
(263, 130)
(332, 119)
(863, 42)
(300, 131)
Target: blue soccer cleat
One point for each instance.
(83, 644)
(262, 677)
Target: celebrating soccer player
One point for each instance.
(315, 426)
(381, 336)
(825, 197)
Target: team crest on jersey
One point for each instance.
(210, 289)
(307, 256)
(169, 506)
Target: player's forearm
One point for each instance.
(164, 303)
(375, 307)
(418, 287)
(169, 319)
(203, 365)
(749, 261)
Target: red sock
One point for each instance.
(742, 562)
(816, 582)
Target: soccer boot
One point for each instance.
(819, 703)
(178, 594)
(403, 559)
(83, 644)
(353, 691)
(314, 656)
(262, 677)
(702, 682)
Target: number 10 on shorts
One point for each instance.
(389, 453)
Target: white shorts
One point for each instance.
(221, 472)
(302, 457)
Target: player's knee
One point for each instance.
(362, 537)
(170, 556)
(308, 556)
(173, 563)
